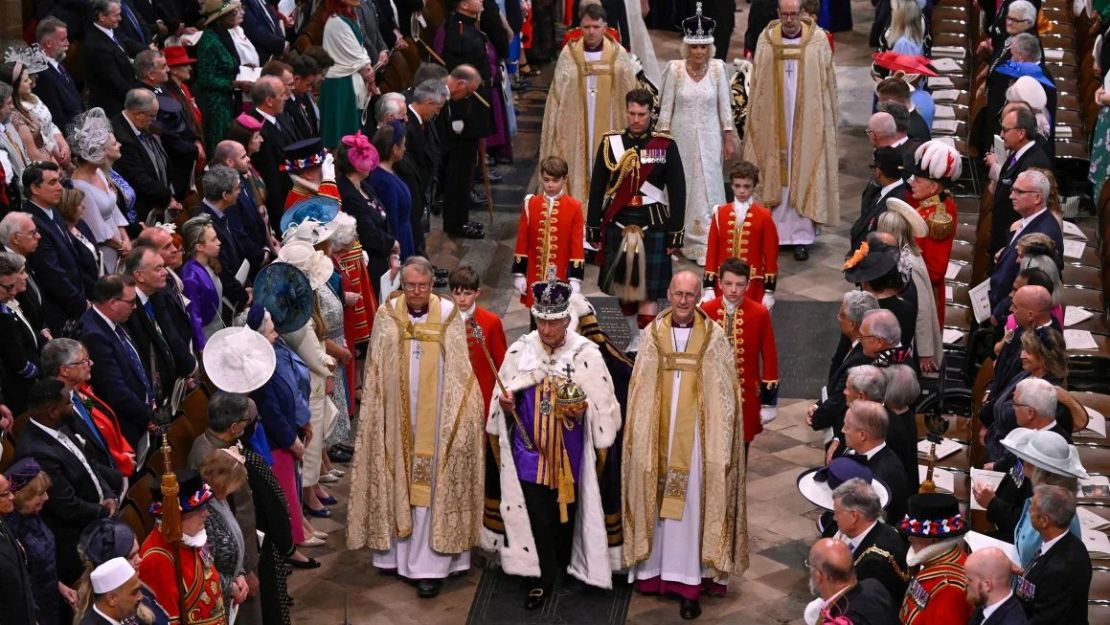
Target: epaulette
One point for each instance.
(614, 132)
(661, 134)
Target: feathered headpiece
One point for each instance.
(88, 135)
(937, 160)
(30, 59)
(361, 154)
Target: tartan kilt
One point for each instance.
(657, 262)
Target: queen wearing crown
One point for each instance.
(696, 109)
(558, 415)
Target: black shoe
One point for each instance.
(801, 253)
(322, 513)
(478, 197)
(437, 208)
(311, 563)
(428, 588)
(495, 176)
(690, 609)
(477, 225)
(489, 160)
(345, 447)
(535, 598)
(335, 454)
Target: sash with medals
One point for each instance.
(674, 457)
(420, 449)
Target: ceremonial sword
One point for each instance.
(480, 337)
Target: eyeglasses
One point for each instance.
(7, 287)
(1023, 191)
(134, 301)
(416, 286)
(80, 363)
(867, 336)
(34, 233)
(1005, 129)
(1015, 20)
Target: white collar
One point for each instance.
(990, 609)
(53, 62)
(413, 112)
(876, 449)
(890, 187)
(1023, 149)
(133, 128)
(111, 324)
(468, 313)
(1025, 221)
(900, 141)
(266, 116)
(104, 616)
(1049, 426)
(855, 540)
(49, 211)
(1046, 545)
(143, 297)
(56, 434)
(107, 31)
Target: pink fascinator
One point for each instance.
(362, 155)
(249, 122)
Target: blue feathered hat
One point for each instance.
(319, 208)
(284, 291)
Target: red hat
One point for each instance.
(249, 122)
(908, 63)
(176, 55)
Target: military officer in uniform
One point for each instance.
(636, 210)
(747, 324)
(938, 583)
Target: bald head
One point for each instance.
(1032, 306)
(988, 576)
(830, 567)
(683, 295)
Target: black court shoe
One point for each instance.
(801, 253)
(690, 609)
(428, 588)
(534, 600)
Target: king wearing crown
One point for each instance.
(558, 415)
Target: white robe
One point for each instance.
(794, 229)
(640, 43)
(676, 544)
(413, 557)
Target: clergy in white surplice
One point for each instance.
(683, 481)
(558, 416)
(418, 469)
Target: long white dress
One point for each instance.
(695, 112)
(103, 217)
(413, 557)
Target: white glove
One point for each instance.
(520, 283)
(327, 169)
(769, 299)
(708, 294)
(575, 286)
(767, 414)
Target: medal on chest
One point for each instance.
(917, 593)
(1023, 588)
(1017, 474)
(653, 155)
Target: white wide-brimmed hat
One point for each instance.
(312, 262)
(1045, 449)
(817, 484)
(239, 360)
(917, 223)
(310, 231)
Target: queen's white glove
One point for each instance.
(575, 286)
(767, 414)
(769, 299)
(520, 283)
(708, 294)
(327, 169)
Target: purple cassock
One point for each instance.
(549, 431)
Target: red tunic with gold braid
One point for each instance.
(757, 362)
(755, 241)
(934, 251)
(937, 591)
(549, 236)
(203, 603)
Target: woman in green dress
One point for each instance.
(346, 89)
(214, 86)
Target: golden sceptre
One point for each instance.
(480, 337)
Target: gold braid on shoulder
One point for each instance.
(627, 165)
(886, 555)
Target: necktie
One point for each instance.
(68, 443)
(149, 308)
(61, 69)
(132, 355)
(977, 618)
(157, 156)
(87, 418)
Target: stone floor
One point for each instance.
(773, 590)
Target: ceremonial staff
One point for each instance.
(480, 337)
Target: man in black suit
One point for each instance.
(1019, 127)
(302, 108)
(54, 86)
(840, 592)
(1032, 309)
(988, 589)
(169, 302)
(1028, 196)
(118, 374)
(16, 599)
(67, 361)
(865, 425)
(116, 593)
(19, 234)
(464, 121)
(144, 161)
(1023, 47)
(1053, 588)
(264, 29)
(247, 225)
(170, 125)
(269, 97)
(19, 352)
(420, 163)
(889, 171)
(829, 412)
(107, 57)
(82, 490)
(221, 192)
(54, 262)
(878, 551)
(165, 352)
